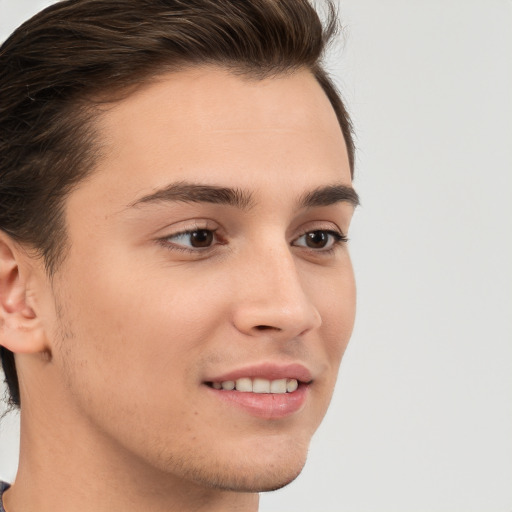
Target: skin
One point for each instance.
(114, 352)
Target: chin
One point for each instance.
(256, 475)
(272, 479)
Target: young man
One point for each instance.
(176, 291)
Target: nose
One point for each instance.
(271, 298)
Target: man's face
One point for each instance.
(174, 286)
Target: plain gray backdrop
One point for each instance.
(422, 416)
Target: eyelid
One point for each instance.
(187, 227)
(195, 251)
(318, 225)
(338, 236)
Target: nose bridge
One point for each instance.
(273, 296)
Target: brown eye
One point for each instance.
(317, 239)
(201, 238)
(320, 239)
(190, 240)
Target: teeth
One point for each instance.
(291, 385)
(244, 385)
(228, 385)
(278, 386)
(261, 386)
(257, 385)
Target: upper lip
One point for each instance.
(269, 371)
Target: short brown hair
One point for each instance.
(55, 66)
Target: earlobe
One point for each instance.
(20, 329)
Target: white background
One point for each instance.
(422, 417)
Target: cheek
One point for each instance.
(130, 333)
(337, 303)
(128, 355)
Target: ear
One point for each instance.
(20, 328)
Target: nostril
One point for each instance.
(266, 328)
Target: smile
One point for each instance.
(257, 385)
(262, 404)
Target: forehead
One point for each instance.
(211, 97)
(210, 126)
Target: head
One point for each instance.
(174, 194)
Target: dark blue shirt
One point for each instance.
(3, 487)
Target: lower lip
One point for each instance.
(265, 405)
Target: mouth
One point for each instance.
(263, 391)
(257, 385)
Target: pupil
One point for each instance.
(317, 239)
(201, 238)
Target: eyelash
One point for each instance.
(166, 241)
(338, 239)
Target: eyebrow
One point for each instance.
(196, 193)
(328, 195)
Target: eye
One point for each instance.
(194, 239)
(320, 239)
